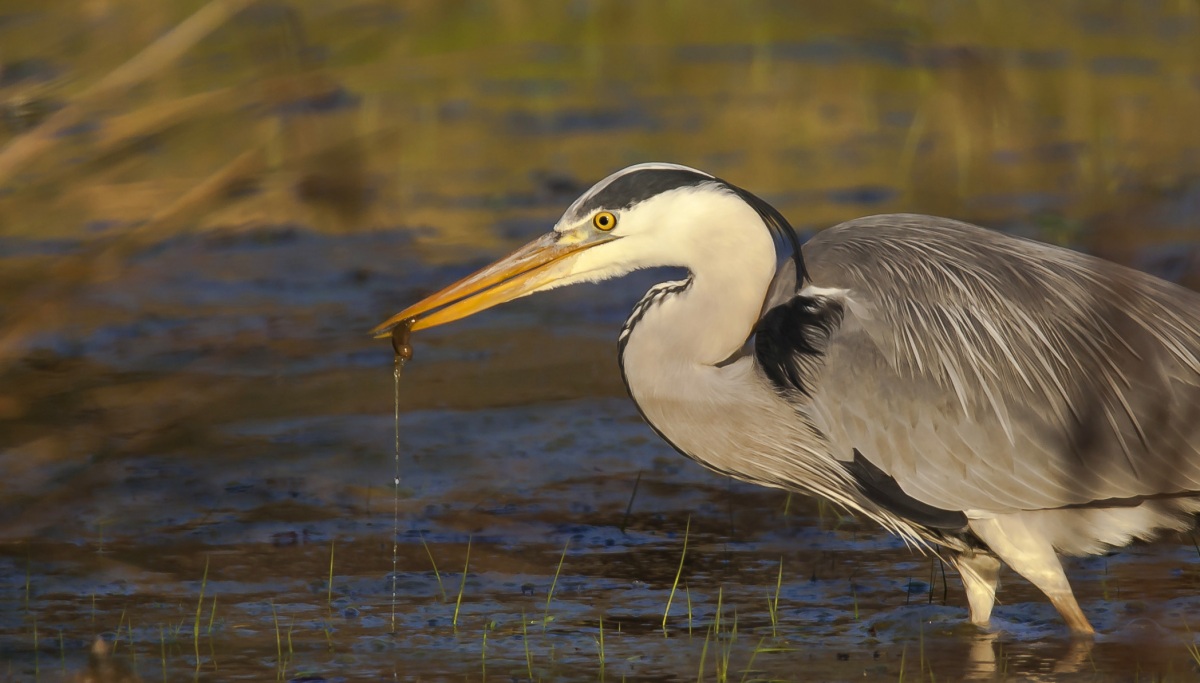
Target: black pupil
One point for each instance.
(604, 220)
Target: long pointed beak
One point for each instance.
(522, 272)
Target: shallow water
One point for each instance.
(193, 421)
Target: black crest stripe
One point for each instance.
(641, 185)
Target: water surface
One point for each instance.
(196, 432)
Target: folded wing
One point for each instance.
(991, 374)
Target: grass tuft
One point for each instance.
(679, 572)
(436, 574)
(133, 658)
(704, 654)
(688, 593)
(720, 604)
(199, 610)
(600, 644)
(291, 652)
(750, 663)
(462, 585)
(727, 648)
(117, 633)
(278, 644)
(483, 655)
(773, 603)
(550, 593)
(525, 642)
(212, 616)
(329, 588)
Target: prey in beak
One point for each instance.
(536, 266)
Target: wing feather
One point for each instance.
(990, 373)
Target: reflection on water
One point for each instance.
(190, 257)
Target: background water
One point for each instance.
(203, 208)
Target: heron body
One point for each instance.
(989, 398)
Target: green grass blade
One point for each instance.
(550, 593)
(525, 641)
(678, 573)
(462, 585)
(199, 611)
(436, 574)
(329, 589)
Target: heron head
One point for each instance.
(644, 216)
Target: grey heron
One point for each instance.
(985, 397)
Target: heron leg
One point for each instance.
(980, 574)
(1030, 554)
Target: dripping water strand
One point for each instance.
(399, 368)
(403, 354)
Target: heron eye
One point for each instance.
(604, 221)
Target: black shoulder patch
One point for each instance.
(637, 186)
(790, 339)
(882, 489)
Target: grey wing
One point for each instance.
(985, 372)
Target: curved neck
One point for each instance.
(724, 415)
(701, 321)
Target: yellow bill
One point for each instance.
(522, 272)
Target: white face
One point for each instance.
(695, 227)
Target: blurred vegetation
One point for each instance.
(468, 125)
(383, 114)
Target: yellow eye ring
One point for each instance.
(604, 220)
